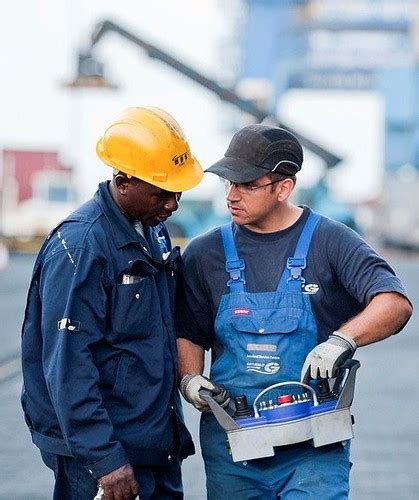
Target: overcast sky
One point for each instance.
(38, 45)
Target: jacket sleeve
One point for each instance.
(74, 304)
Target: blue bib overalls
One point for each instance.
(262, 339)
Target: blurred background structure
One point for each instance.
(356, 51)
(344, 76)
(341, 75)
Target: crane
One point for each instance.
(90, 74)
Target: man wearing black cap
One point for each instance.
(279, 294)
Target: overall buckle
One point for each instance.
(235, 268)
(296, 266)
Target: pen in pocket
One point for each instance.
(129, 279)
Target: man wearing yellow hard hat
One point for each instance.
(98, 340)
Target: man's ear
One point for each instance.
(286, 187)
(121, 182)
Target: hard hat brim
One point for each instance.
(189, 177)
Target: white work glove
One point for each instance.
(190, 385)
(325, 359)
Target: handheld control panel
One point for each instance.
(289, 413)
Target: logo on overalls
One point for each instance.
(259, 364)
(272, 367)
(241, 312)
(179, 160)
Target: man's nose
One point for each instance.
(172, 203)
(232, 193)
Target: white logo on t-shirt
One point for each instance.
(310, 288)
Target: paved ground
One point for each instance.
(385, 450)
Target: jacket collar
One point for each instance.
(123, 232)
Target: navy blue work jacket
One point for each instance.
(98, 343)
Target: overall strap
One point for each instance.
(292, 278)
(234, 266)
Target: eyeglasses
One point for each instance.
(248, 187)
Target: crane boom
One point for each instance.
(225, 94)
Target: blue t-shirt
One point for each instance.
(343, 274)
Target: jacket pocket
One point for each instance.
(131, 310)
(23, 400)
(121, 374)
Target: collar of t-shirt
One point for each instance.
(275, 236)
(148, 240)
(138, 226)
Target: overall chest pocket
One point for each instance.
(131, 312)
(266, 344)
(264, 322)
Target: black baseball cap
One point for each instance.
(258, 149)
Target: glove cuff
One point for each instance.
(184, 382)
(344, 340)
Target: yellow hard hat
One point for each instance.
(149, 144)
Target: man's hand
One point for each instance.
(190, 386)
(120, 484)
(325, 359)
